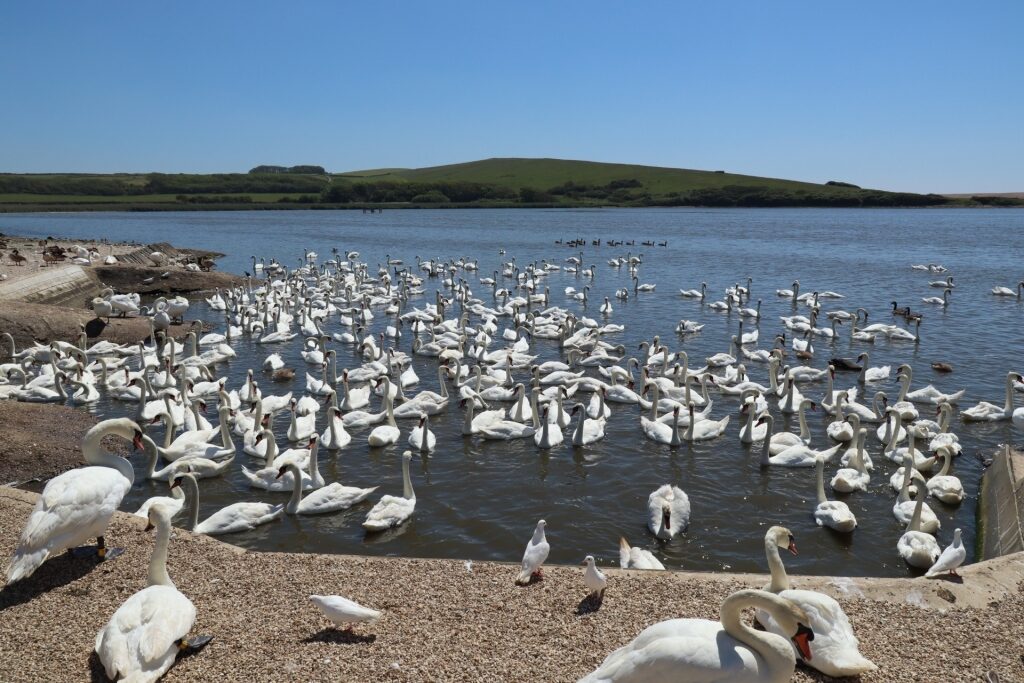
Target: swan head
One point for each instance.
(783, 538)
(159, 516)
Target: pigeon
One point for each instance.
(593, 577)
(344, 612)
(951, 558)
(533, 559)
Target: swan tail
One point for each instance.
(24, 564)
(624, 552)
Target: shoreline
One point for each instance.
(449, 620)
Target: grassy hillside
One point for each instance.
(548, 173)
(485, 183)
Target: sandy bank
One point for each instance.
(451, 621)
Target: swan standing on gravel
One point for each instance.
(77, 505)
(835, 648)
(533, 558)
(700, 650)
(391, 511)
(143, 638)
(668, 512)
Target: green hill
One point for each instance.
(549, 173)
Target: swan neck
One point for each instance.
(778, 656)
(95, 455)
(407, 490)
(296, 496)
(805, 431)
(766, 444)
(158, 575)
(780, 580)
(819, 466)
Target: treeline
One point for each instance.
(76, 185)
(753, 196)
(315, 170)
(162, 183)
(385, 192)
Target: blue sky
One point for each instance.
(898, 95)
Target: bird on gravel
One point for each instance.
(533, 559)
(594, 578)
(344, 612)
(951, 558)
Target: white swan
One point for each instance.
(855, 477)
(335, 437)
(144, 636)
(903, 508)
(587, 431)
(534, 556)
(834, 649)
(917, 548)
(943, 485)
(637, 558)
(388, 433)
(1006, 291)
(703, 651)
(988, 412)
(660, 432)
(421, 438)
(391, 511)
(798, 455)
(330, 498)
(704, 430)
(301, 427)
(233, 519)
(668, 511)
(834, 514)
(550, 434)
(78, 504)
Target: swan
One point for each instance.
(695, 293)
(917, 548)
(842, 429)
(854, 476)
(668, 512)
(550, 434)
(354, 398)
(790, 293)
(266, 478)
(144, 636)
(1006, 291)
(938, 300)
(78, 504)
(391, 511)
(233, 519)
(835, 649)
(951, 558)
(197, 443)
(344, 611)
(301, 427)
(834, 514)
(799, 455)
(473, 424)
(783, 440)
(868, 374)
(637, 558)
(704, 430)
(534, 556)
(943, 485)
(660, 432)
(903, 509)
(988, 412)
(330, 498)
(587, 430)
(928, 394)
(388, 433)
(172, 503)
(335, 437)
(700, 650)
(421, 438)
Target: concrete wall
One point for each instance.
(65, 285)
(1001, 505)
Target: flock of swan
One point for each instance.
(485, 348)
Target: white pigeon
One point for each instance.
(344, 612)
(951, 558)
(533, 559)
(594, 578)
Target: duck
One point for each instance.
(149, 630)
(668, 511)
(534, 556)
(232, 519)
(392, 511)
(835, 649)
(631, 557)
(704, 650)
(331, 498)
(834, 514)
(78, 504)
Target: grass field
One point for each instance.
(548, 173)
(257, 198)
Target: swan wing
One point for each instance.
(388, 512)
(139, 642)
(73, 507)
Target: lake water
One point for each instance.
(480, 500)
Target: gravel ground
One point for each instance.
(31, 248)
(449, 621)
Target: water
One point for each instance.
(480, 500)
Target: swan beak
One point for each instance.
(137, 441)
(803, 639)
(792, 547)
(281, 472)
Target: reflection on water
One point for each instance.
(481, 500)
